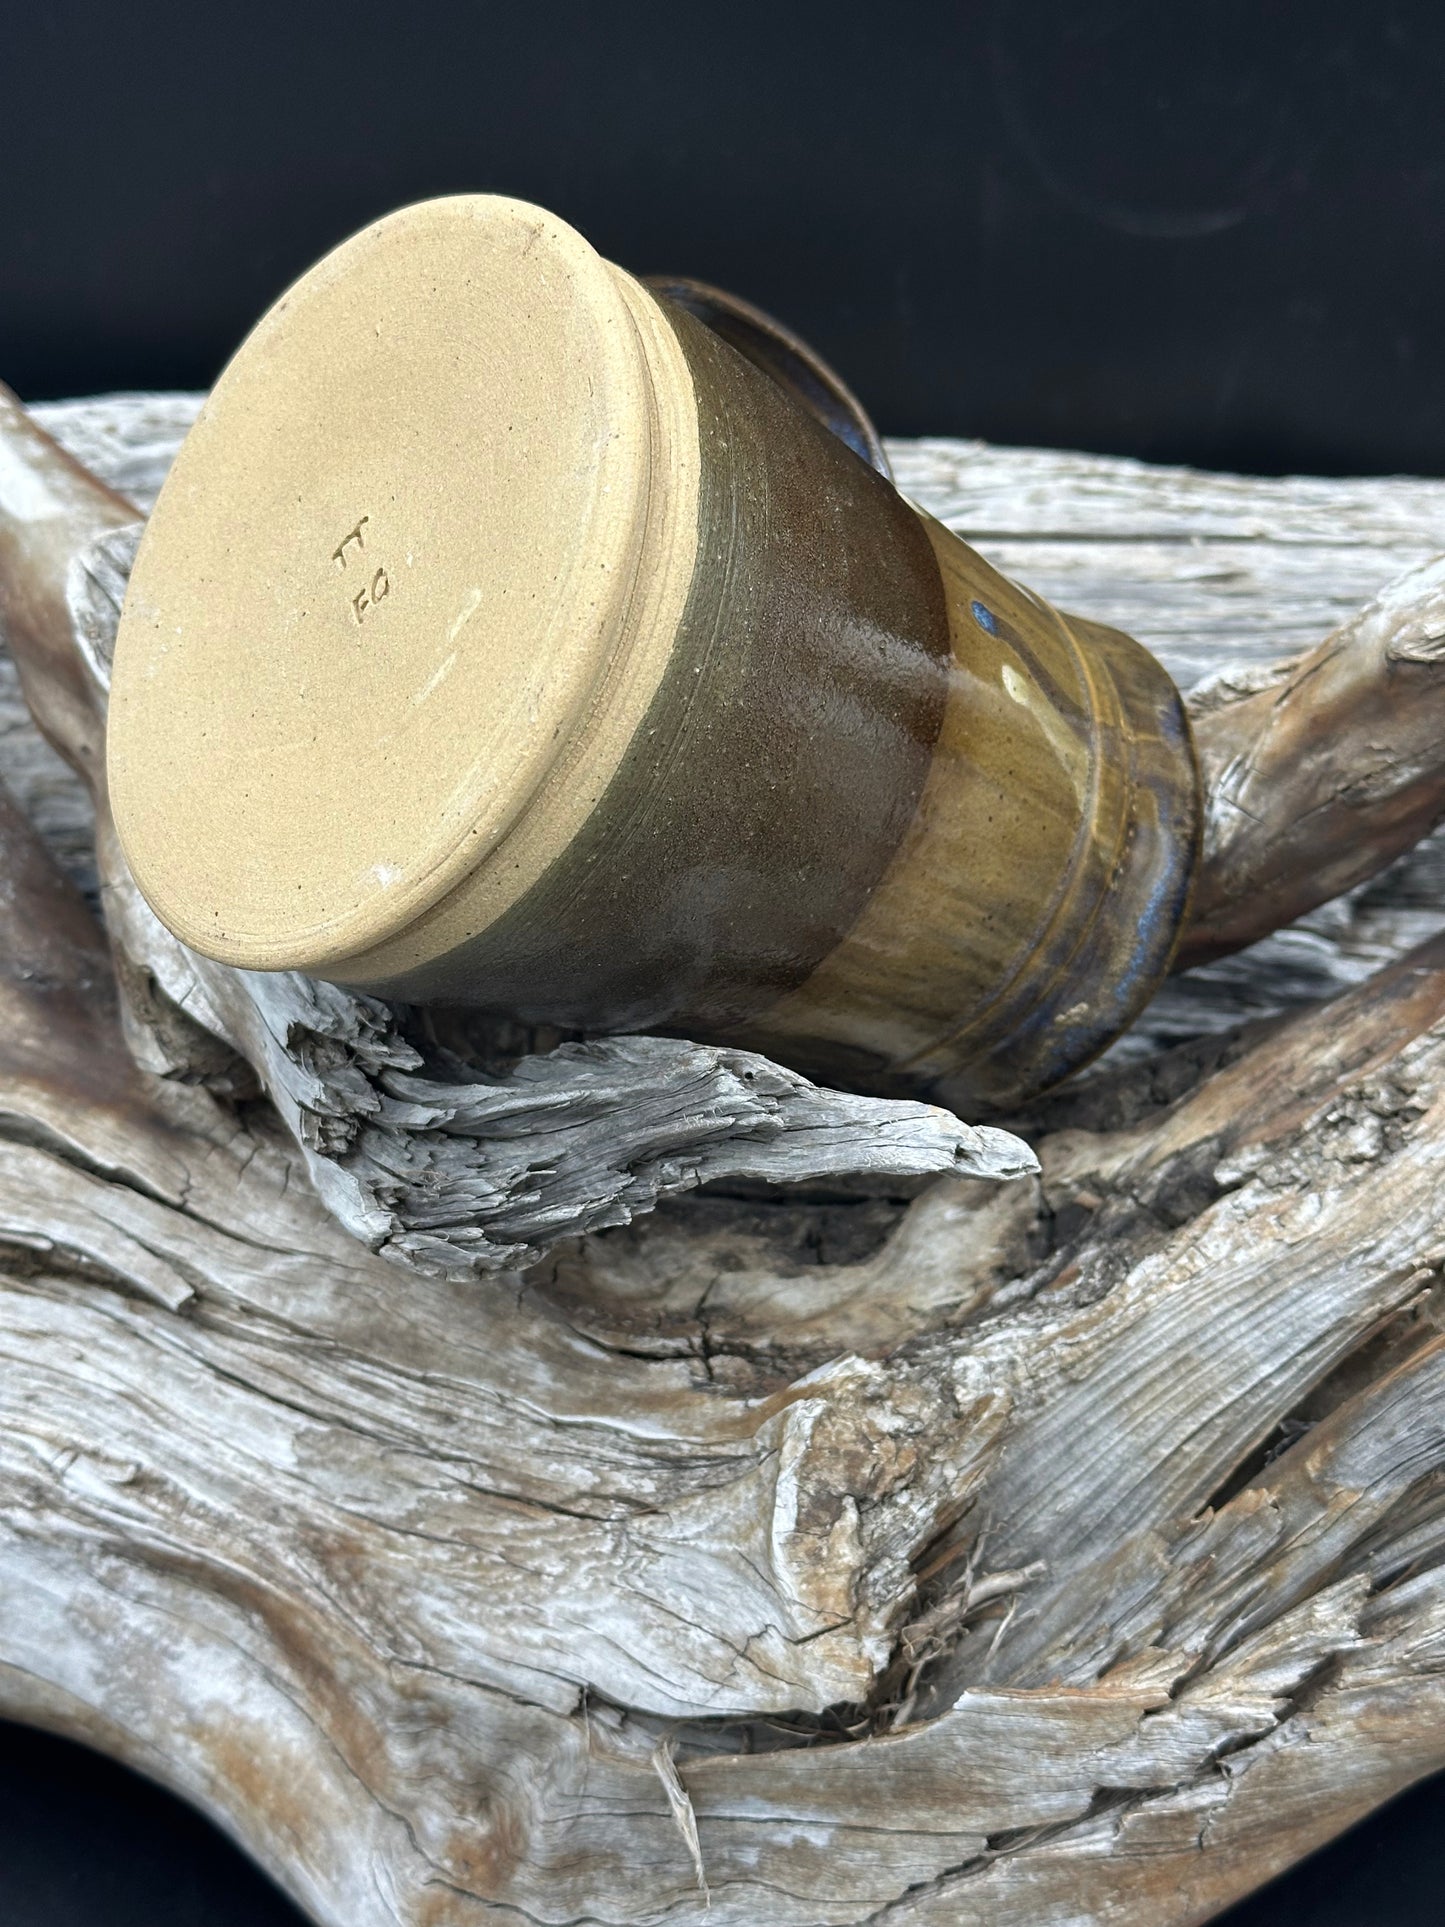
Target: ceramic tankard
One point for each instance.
(504, 637)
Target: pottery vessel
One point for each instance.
(508, 636)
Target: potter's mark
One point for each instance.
(369, 594)
(338, 554)
(368, 598)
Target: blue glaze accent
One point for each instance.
(1154, 935)
(985, 618)
(1156, 920)
(1063, 1048)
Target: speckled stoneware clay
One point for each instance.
(504, 637)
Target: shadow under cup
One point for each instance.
(503, 638)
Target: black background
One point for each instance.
(1208, 232)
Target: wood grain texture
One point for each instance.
(1065, 1551)
(418, 1151)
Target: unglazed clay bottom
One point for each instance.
(503, 637)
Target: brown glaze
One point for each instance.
(779, 765)
(736, 743)
(1033, 906)
(783, 356)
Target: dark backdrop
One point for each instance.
(1207, 232)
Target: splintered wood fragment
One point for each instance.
(681, 1806)
(1066, 1553)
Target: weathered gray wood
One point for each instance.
(1208, 570)
(1220, 575)
(1314, 782)
(416, 1154)
(1067, 1551)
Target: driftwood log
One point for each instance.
(886, 1545)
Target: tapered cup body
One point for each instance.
(503, 638)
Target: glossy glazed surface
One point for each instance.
(784, 356)
(778, 767)
(1033, 906)
(688, 722)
